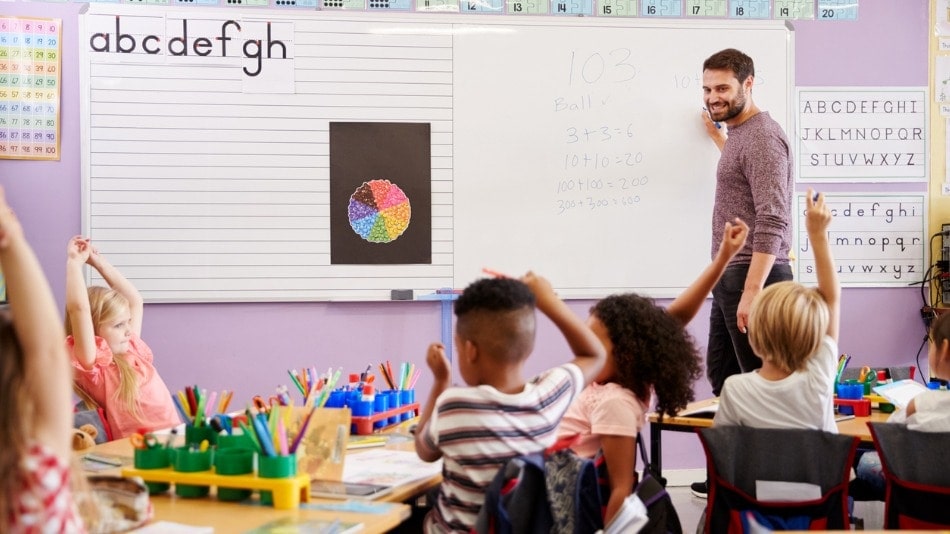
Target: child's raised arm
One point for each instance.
(442, 374)
(40, 334)
(687, 304)
(77, 303)
(817, 219)
(589, 352)
(120, 284)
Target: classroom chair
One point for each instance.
(787, 479)
(916, 475)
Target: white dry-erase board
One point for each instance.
(272, 155)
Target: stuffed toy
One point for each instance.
(84, 437)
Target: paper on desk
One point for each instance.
(388, 467)
(710, 408)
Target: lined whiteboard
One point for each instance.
(569, 146)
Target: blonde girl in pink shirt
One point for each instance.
(113, 365)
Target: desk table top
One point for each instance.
(856, 426)
(241, 517)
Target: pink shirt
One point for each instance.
(102, 381)
(602, 410)
(45, 501)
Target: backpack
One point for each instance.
(554, 491)
(88, 412)
(651, 491)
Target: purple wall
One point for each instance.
(249, 347)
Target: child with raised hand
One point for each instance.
(794, 329)
(113, 365)
(36, 421)
(500, 415)
(649, 352)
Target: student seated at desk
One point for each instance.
(927, 412)
(477, 429)
(36, 478)
(649, 352)
(113, 365)
(794, 329)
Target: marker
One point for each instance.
(718, 126)
(816, 197)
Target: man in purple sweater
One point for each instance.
(754, 181)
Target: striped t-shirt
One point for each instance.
(478, 429)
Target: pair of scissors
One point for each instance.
(143, 441)
(265, 407)
(865, 374)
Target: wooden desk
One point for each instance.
(857, 426)
(235, 517)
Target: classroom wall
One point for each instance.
(249, 346)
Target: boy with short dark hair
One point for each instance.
(477, 429)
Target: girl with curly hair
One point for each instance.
(649, 353)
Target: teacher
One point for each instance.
(754, 181)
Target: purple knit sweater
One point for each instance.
(754, 181)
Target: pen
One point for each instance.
(103, 460)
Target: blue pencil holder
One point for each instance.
(406, 396)
(352, 397)
(336, 399)
(380, 404)
(361, 408)
(394, 402)
(850, 391)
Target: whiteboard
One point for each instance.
(570, 146)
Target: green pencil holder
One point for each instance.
(188, 460)
(194, 435)
(233, 461)
(235, 441)
(275, 467)
(153, 458)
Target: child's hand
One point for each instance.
(438, 363)
(733, 237)
(78, 249)
(541, 288)
(817, 214)
(9, 224)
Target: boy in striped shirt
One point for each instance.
(499, 415)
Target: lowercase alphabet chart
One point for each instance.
(30, 53)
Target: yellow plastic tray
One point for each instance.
(288, 492)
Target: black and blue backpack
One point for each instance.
(554, 491)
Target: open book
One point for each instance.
(901, 392)
(707, 411)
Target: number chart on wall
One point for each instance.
(29, 88)
(320, 156)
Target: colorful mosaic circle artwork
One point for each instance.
(379, 211)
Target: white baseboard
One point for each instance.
(683, 477)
